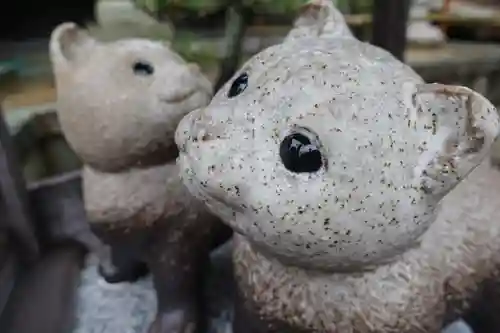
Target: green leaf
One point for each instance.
(276, 7)
(156, 6)
(205, 55)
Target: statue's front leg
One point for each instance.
(120, 260)
(178, 261)
(248, 320)
(483, 314)
(245, 320)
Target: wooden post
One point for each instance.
(445, 10)
(14, 202)
(48, 221)
(237, 17)
(44, 297)
(389, 25)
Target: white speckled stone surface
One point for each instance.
(323, 156)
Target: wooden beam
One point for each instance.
(44, 297)
(14, 202)
(8, 275)
(389, 25)
(356, 20)
(59, 213)
(236, 25)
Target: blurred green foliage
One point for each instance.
(194, 48)
(360, 6)
(205, 6)
(209, 6)
(205, 54)
(276, 7)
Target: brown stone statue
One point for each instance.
(119, 104)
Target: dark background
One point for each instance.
(36, 19)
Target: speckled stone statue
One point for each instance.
(361, 197)
(119, 104)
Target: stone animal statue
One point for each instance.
(362, 198)
(119, 104)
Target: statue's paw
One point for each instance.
(130, 273)
(175, 321)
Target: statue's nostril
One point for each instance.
(202, 136)
(181, 146)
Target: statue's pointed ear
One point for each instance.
(68, 44)
(319, 18)
(458, 126)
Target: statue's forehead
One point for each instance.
(137, 49)
(338, 89)
(338, 79)
(336, 60)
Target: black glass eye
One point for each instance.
(299, 155)
(239, 85)
(143, 68)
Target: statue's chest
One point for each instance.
(139, 196)
(422, 290)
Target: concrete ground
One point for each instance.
(130, 308)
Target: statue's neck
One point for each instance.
(289, 263)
